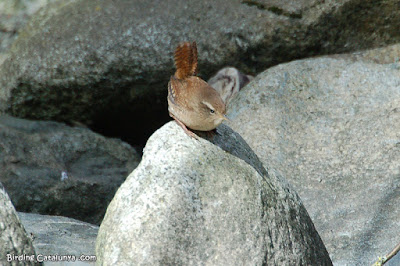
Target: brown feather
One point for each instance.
(186, 60)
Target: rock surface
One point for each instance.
(51, 168)
(331, 125)
(60, 235)
(389, 55)
(13, 238)
(103, 62)
(190, 202)
(13, 17)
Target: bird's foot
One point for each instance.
(183, 126)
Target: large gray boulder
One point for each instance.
(62, 236)
(15, 246)
(106, 63)
(51, 168)
(331, 125)
(199, 202)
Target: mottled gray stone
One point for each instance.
(331, 126)
(384, 55)
(51, 168)
(13, 238)
(62, 236)
(196, 202)
(14, 14)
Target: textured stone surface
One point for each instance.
(104, 62)
(13, 238)
(331, 126)
(14, 14)
(51, 168)
(60, 235)
(190, 202)
(385, 55)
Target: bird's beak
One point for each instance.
(226, 118)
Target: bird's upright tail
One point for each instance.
(186, 60)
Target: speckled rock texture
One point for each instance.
(51, 168)
(331, 125)
(107, 63)
(14, 14)
(196, 202)
(13, 238)
(63, 236)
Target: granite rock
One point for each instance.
(331, 126)
(14, 241)
(51, 168)
(206, 202)
(57, 235)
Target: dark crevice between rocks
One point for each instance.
(134, 118)
(128, 112)
(132, 121)
(135, 110)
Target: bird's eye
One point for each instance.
(212, 111)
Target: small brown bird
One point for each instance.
(191, 101)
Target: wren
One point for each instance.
(192, 102)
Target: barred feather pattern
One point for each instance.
(186, 60)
